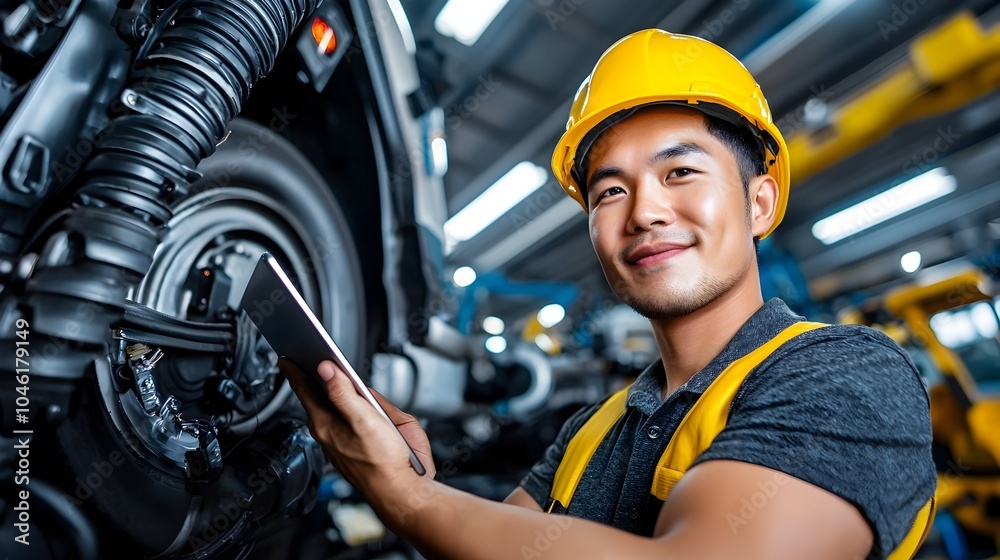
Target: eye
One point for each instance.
(610, 191)
(680, 172)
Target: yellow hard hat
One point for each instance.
(653, 66)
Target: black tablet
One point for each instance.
(293, 331)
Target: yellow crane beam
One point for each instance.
(946, 67)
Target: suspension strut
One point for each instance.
(180, 99)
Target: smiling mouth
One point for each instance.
(657, 257)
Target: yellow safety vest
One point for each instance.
(697, 429)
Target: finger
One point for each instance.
(297, 379)
(341, 390)
(411, 430)
(397, 416)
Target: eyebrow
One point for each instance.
(677, 150)
(602, 173)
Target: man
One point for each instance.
(787, 440)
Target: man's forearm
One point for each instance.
(445, 523)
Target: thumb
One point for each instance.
(339, 388)
(307, 392)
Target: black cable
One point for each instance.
(153, 321)
(154, 33)
(143, 312)
(156, 339)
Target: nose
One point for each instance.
(651, 207)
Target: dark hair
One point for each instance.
(744, 146)
(747, 150)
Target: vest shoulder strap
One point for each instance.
(581, 448)
(697, 430)
(709, 415)
(584, 443)
(710, 412)
(918, 532)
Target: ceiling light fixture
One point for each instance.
(953, 329)
(551, 314)
(439, 155)
(516, 185)
(464, 276)
(496, 344)
(910, 262)
(544, 342)
(984, 320)
(493, 325)
(465, 20)
(888, 204)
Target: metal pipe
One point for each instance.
(542, 380)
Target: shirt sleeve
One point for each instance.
(538, 480)
(846, 411)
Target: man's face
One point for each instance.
(669, 219)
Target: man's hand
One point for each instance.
(358, 441)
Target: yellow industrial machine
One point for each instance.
(946, 67)
(950, 328)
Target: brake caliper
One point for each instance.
(192, 445)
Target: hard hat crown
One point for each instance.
(653, 66)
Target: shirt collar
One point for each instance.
(772, 317)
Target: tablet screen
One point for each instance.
(292, 330)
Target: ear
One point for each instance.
(763, 193)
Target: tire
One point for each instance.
(259, 190)
(253, 168)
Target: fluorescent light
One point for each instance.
(885, 205)
(953, 329)
(910, 262)
(984, 320)
(516, 185)
(465, 20)
(496, 344)
(551, 314)
(464, 275)
(493, 325)
(439, 155)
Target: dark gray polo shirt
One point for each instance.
(842, 407)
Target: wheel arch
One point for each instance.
(359, 133)
(332, 130)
